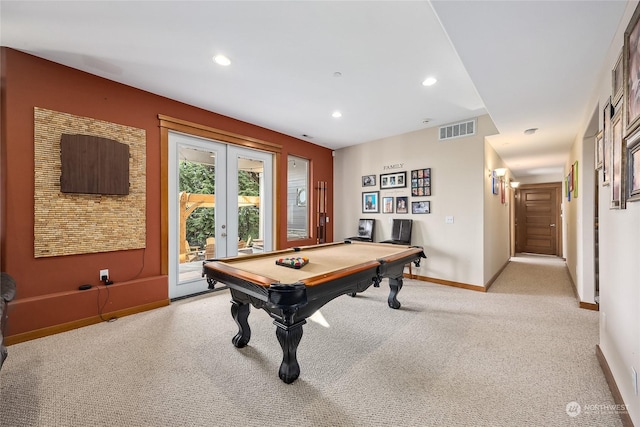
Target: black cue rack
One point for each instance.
(321, 212)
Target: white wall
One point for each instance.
(496, 251)
(579, 215)
(539, 179)
(459, 182)
(619, 259)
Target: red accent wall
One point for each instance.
(47, 288)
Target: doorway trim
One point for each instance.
(167, 124)
(557, 186)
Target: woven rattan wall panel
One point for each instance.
(67, 224)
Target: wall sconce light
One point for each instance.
(515, 184)
(500, 172)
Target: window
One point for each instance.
(297, 197)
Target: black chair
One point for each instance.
(7, 293)
(400, 232)
(365, 231)
(401, 235)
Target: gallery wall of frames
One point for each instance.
(617, 145)
(388, 202)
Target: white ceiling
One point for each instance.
(527, 64)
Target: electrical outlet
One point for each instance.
(104, 273)
(448, 219)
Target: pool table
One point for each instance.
(290, 295)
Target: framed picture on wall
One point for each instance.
(599, 149)
(631, 64)
(617, 163)
(370, 202)
(369, 181)
(606, 142)
(393, 180)
(422, 207)
(402, 205)
(421, 182)
(574, 174)
(633, 167)
(617, 79)
(387, 205)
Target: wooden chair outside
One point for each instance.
(210, 248)
(190, 253)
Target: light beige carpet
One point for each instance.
(515, 356)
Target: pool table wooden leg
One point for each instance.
(394, 285)
(240, 313)
(289, 337)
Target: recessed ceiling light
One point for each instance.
(222, 60)
(336, 114)
(337, 74)
(429, 81)
(530, 131)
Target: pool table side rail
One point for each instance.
(229, 272)
(418, 251)
(243, 285)
(220, 266)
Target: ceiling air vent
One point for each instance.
(457, 130)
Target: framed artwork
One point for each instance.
(617, 79)
(631, 64)
(606, 143)
(387, 205)
(369, 181)
(495, 182)
(570, 178)
(370, 202)
(402, 205)
(422, 207)
(421, 182)
(502, 191)
(393, 180)
(574, 174)
(598, 147)
(617, 163)
(633, 167)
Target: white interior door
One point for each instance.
(221, 204)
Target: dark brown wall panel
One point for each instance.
(93, 165)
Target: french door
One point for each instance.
(220, 205)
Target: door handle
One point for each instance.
(552, 225)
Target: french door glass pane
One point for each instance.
(297, 191)
(250, 206)
(197, 214)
